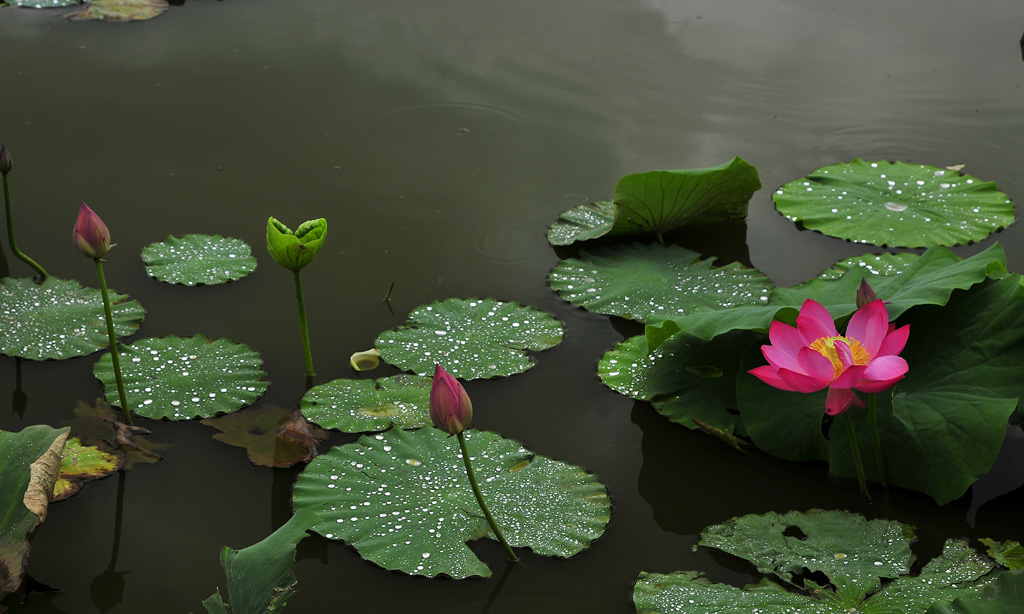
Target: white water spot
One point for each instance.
(893, 206)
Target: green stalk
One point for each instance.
(875, 443)
(855, 450)
(480, 499)
(10, 234)
(114, 357)
(305, 327)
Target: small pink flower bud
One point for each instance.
(865, 294)
(5, 160)
(90, 236)
(450, 407)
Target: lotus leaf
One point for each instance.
(29, 464)
(100, 424)
(180, 378)
(652, 282)
(1003, 595)
(403, 501)
(272, 436)
(882, 265)
(259, 578)
(198, 259)
(43, 4)
(121, 10)
(656, 202)
(470, 338)
(853, 554)
(80, 463)
(895, 204)
(360, 405)
(1009, 554)
(59, 318)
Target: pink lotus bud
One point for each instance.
(450, 407)
(865, 294)
(5, 160)
(90, 236)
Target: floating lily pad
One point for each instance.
(101, 427)
(29, 464)
(654, 282)
(198, 259)
(853, 554)
(273, 436)
(895, 204)
(403, 501)
(42, 4)
(657, 202)
(59, 318)
(362, 405)
(121, 10)
(882, 265)
(180, 378)
(80, 463)
(471, 338)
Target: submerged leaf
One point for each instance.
(403, 501)
(895, 204)
(273, 436)
(180, 378)
(471, 338)
(59, 318)
(359, 405)
(198, 259)
(654, 282)
(101, 426)
(120, 10)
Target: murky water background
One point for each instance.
(440, 140)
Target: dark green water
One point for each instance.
(440, 140)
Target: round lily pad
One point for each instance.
(59, 318)
(654, 282)
(185, 377)
(470, 338)
(198, 259)
(895, 204)
(403, 501)
(361, 405)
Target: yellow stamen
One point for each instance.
(826, 347)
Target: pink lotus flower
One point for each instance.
(814, 355)
(450, 407)
(90, 235)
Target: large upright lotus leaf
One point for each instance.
(259, 578)
(198, 259)
(120, 10)
(657, 202)
(895, 204)
(653, 282)
(928, 280)
(852, 553)
(180, 377)
(470, 338)
(942, 426)
(403, 501)
(29, 464)
(881, 265)
(59, 318)
(80, 463)
(686, 377)
(362, 405)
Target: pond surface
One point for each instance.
(440, 140)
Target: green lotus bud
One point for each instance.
(294, 250)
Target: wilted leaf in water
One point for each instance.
(198, 259)
(362, 405)
(80, 463)
(656, 202)
(470, 338)
(185, 377)
(120, 10)
(29, 464)
(895, 204)
(653, 282)
(402, 500)
(273, 436)
(59, 318)
(101, 426)
(852, 553)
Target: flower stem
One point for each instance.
(10, 235)
(114, 357)
(875, 443)
(305, 327)
(855, 450)
(480, 499)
